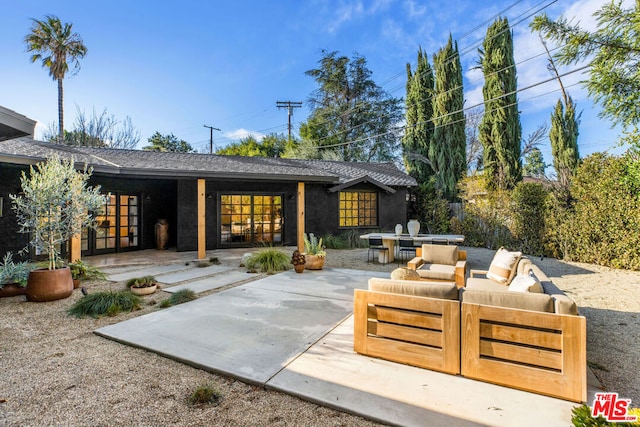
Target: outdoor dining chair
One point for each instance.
(375, 245)
(405, 246)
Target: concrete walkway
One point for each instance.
(294, 333)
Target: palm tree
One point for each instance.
(56, 46)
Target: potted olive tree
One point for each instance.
(55, 204)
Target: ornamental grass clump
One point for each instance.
(180, 297)
(268, 261)
(107, 303)
(205, 394)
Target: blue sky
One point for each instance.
(173, 66)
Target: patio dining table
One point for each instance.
(389, 241)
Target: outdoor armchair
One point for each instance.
(443, 263)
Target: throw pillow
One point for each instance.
(503, 266)
(404, 273)
(525, 283)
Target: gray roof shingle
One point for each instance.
(178, 165)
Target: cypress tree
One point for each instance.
(564, 141)
(419, 127)
(448, 150)
(500, 130)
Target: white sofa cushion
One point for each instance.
(503, 266)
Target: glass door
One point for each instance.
(118, 226)
(247, 219)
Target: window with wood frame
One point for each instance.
(358, 209)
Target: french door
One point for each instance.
(118, 227)
(247, 219)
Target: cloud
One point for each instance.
(345, 13)
(241, 133)
(414, 10)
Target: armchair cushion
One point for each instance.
(437, 271)
(440, 254)
(416, 288)
(503, 266)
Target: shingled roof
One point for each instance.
(182, 165)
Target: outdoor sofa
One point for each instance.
(533, 341)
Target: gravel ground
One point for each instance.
(57, 372)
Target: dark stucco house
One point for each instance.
(210, 201)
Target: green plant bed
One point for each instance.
(180, 297)
(107, 303)
(268, 261)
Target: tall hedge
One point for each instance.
(604, 223)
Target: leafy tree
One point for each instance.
(418, 132)
(564, 141)
(534, 165)
(351, 115)
(272, 145)
(500, 130)
(168, 143)
(98, 131)
(55, 45)
(613, 52)
(448, 149)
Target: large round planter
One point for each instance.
(49, 285)
(11, 290)
(144, 291)
(313, 262)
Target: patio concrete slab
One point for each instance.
(193, 272)
(214, 282)
(330, 373)
(155, 270)
(250, 332)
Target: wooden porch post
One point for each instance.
(75, 248)
(301, 216)
(202, 238)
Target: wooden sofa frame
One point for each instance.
(540, 352)
(418, 331)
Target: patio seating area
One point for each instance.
(295, 333)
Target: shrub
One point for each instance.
(347, 240)
(268, 260)
(313, 245)
(180, 297)
(105, 303)
(604, 220)
(430, 208)
(14, 272)
(83, 271)
(528, 200)
(204, 394)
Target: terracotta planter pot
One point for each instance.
(76, 283)
(299, 268)
(314, 262)
(49, 285)
(144, 291)
(11, 290)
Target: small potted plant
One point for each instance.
(142, 285)
(314, 252)
(298, 260)
(80, 271)
(13, 276)
(55, 204)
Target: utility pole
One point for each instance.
(290, 106)
(211, 128)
